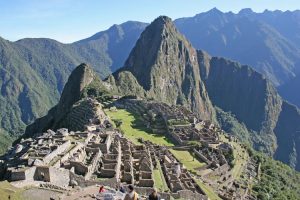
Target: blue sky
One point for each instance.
(71, 20)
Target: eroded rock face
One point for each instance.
(288, 136)
(255, 102)
(80, 78)
(165, 64)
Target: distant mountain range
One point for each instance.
(165, 66)
(269, 41)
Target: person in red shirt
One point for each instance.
(101, 189)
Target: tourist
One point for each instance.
(101, 189)
(131, 195)
(154, 195)
(122, 189)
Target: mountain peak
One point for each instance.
(165, 65)
(154, 45)
(161, 25)
(214, 11)
(80, 77)
(246, 11)
(162, 20)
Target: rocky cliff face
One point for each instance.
(165, 65)
(80, 78)
(287, 132)
(244, 92)
(254, 101)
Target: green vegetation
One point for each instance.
(240, 157)
(6, 189)
(208, 190)
(277, 180)
(34, 71)
(174, 122)
(133, 128)
(5, 141)
(231, 125)
(96, 89)
(159, 179)
(187, 159)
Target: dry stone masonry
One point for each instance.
(102, 155)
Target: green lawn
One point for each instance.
(7, 189)
(186, 158)
(208, 191)
(134, 128)
(159, 179)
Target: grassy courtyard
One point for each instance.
(159, 179)
(186, 158)
(6, 189)
(208, 191)
(133, 128)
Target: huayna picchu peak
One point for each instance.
(159, 118)
(165, 64)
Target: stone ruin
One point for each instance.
(178, 122)
(102, 155)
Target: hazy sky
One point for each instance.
(71, 20)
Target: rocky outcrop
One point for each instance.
(80, 78)
(165, 65)
(254, 101)
(287, 132)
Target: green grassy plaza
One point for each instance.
(133, 128)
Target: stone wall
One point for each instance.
(93, 165)
(59, 176)
(29, 173)
(68, 155)
(26, 174)
(224, 169)
(42, 174)
(17, 175)
(146, 182)
(112, 182)
(60, 149)
(187, 194)
(201, 157)
(80, 168)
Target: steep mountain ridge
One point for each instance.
(165, 64)
(272, 122)
(80, 78)
(288, 136)
(247, 94)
